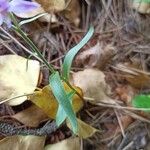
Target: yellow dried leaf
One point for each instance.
(17, 77)
(68, 144)
(19, 142)
(85, 130)
(47, 102)
(31, 116)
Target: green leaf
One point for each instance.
(142, 101)
(61, 115)
(63, 100)
(71, 54)
(31, 19)
(141, 1)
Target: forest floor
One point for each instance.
(121, 50)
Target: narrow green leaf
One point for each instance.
(61, 115)
(31, 19)
(71, 54)
(63, 100)
(142, 101)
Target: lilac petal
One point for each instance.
(3, 5)
(7, 20)
(1, 19)
(22, 6)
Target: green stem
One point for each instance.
(30, 43)
(67, 82)
(36, 50)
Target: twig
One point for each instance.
(120, 123)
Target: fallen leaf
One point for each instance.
(136, 77)
(97, 56)
(73, 11)
(93, 84)
(69, 8)
(47, 102)
(139, 81)
(114, 128)
(89, 57)
(19, 142)
(68, 144)
(85, 130)
(52, 5)
(18, 76)
(49, 18)
(32, 13)
(141, 6)
(126, 93)
(31, 116)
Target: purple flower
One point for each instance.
(16, 7)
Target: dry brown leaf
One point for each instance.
(47, 102)
(17, 77)
(52, 5)
(85, 130)
(68, 144)
(126, 93)
(31, 116)
(19, 142)
(136, 77)
(69, 8)
(114, 128)
(93, 84)
(89, 57)
(141, 7)
(97, 56)
(139, 81)
(72, 11)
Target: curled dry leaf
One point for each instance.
(126, 93)
(52, 5)
(47, 102)
(89, 57)
(113, 128)
(19, 142)
(69, 8)
(31, 116)
(97, 56)
(136, 77)
(68, 144)
(18, 76)
(93, 84)
(85, 130)
(72, 11)
(141, 7)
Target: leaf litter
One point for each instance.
(101, 79)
